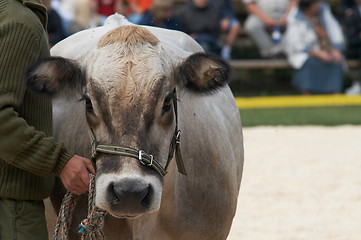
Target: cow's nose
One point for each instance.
(130, 197)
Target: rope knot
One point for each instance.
(94, 222)
(91, 228)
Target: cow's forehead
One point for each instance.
(130, 35)
(129, 55)
(129, 64)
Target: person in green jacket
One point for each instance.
(29, 157)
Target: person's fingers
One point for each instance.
(72, 187)
(84, 180)
(90, 167)
(76, 191)
(75, 175)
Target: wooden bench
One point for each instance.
(248, 64)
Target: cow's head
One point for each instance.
(127, 84)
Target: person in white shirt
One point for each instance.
(266, 16)
(315, 45)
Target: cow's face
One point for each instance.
(128, 85)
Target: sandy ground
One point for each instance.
(300, 183)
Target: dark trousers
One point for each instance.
(22, 220)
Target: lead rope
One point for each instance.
(91, 228)
(65, 216)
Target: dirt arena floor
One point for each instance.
(300, 183)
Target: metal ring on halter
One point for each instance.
(178, 137)
(151, 161)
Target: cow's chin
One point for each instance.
(128, 196)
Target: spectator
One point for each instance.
(77, 15)
(229, 25)
(201, 20)
(29, 157)
(314, 43)
(66, 10)
(86, 16)
(347, 6)
(352, 23)
(136, 9)
(109, 7)
(55, 28)
(267, 17)
(161, 15)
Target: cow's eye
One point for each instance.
(168, 103)
(88, 104)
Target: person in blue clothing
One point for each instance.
(229, 25)
(161, 15)
(201, 20)
(314, 44)
(54, 28)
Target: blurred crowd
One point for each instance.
(305, 32)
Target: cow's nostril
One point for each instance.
(146, 200)
(115, 200)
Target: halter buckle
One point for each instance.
(140, 157)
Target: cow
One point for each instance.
(164, 103)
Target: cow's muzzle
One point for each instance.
(129, 198)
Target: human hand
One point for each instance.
(322, 55)
(336, 55)
(75, 175)
(270, 22)
(224, 24)
(282, 21)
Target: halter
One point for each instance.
(144, 158)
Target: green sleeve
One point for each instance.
(22, 145)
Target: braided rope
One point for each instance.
(65, 216)
(91, 228)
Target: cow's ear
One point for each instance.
(202, 72)
(53, 76)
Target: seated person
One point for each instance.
(314, 43)
(201, 20)
(229, 25)
(265, 16)
(160, 15)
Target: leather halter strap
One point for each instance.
(144, 158)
